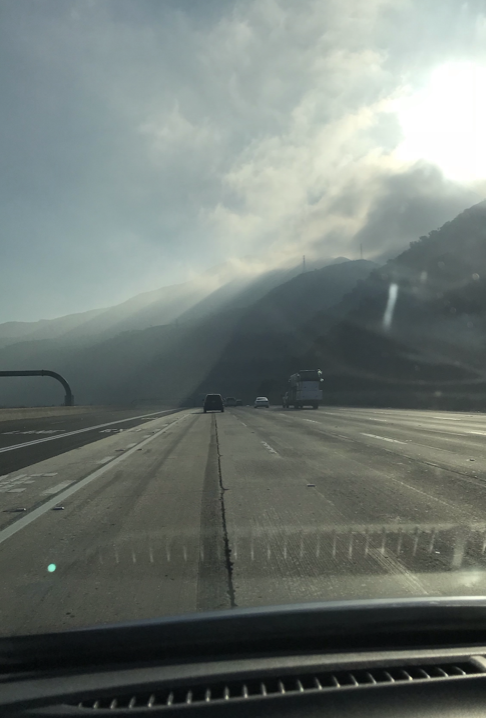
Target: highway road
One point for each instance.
(31, 435)
(184, 511)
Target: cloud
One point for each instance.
(407, 204)
(145, 141)
(323, 174)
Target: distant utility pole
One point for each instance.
(361, 250)
(303, 265)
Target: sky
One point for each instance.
(145, 141)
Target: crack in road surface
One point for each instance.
(227, 548)
(215, 588)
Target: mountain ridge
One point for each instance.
(433, 342)
(166, 362)
(217, 288)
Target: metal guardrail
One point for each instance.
(68, 399)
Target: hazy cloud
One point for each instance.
(145, 141)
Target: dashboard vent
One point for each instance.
(271, 686)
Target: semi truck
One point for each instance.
(304, 389)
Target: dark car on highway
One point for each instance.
(213, 402)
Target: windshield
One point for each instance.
(280, 202)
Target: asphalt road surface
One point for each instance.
(185, 511)
(31, 435)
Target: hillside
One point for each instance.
(170, 363)
(157, 307)
(431, 348)
(221, 288)
(12, 332)
(280, 327)
(409, 333)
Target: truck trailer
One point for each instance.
(304, 389)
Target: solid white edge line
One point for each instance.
(12, 447)
(14, 528)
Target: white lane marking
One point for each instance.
(269, 448)
(7, 485)
(39, 431)
(56, 489)
(423, 493)
(78, 431)
(14, 528)
(312, 421)
(105, 460)
(478, 433)
(383, 438)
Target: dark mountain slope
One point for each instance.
(283, 325)
(221, 288)
(169, 363)
(429, 346)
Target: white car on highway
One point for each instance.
(261, 401)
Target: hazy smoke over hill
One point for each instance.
(144, 142)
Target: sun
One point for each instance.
(445, 123)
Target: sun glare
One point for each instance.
(445, 122)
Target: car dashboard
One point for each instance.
(104, 671)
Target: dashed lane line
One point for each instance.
(384, 438)
(269, 448)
